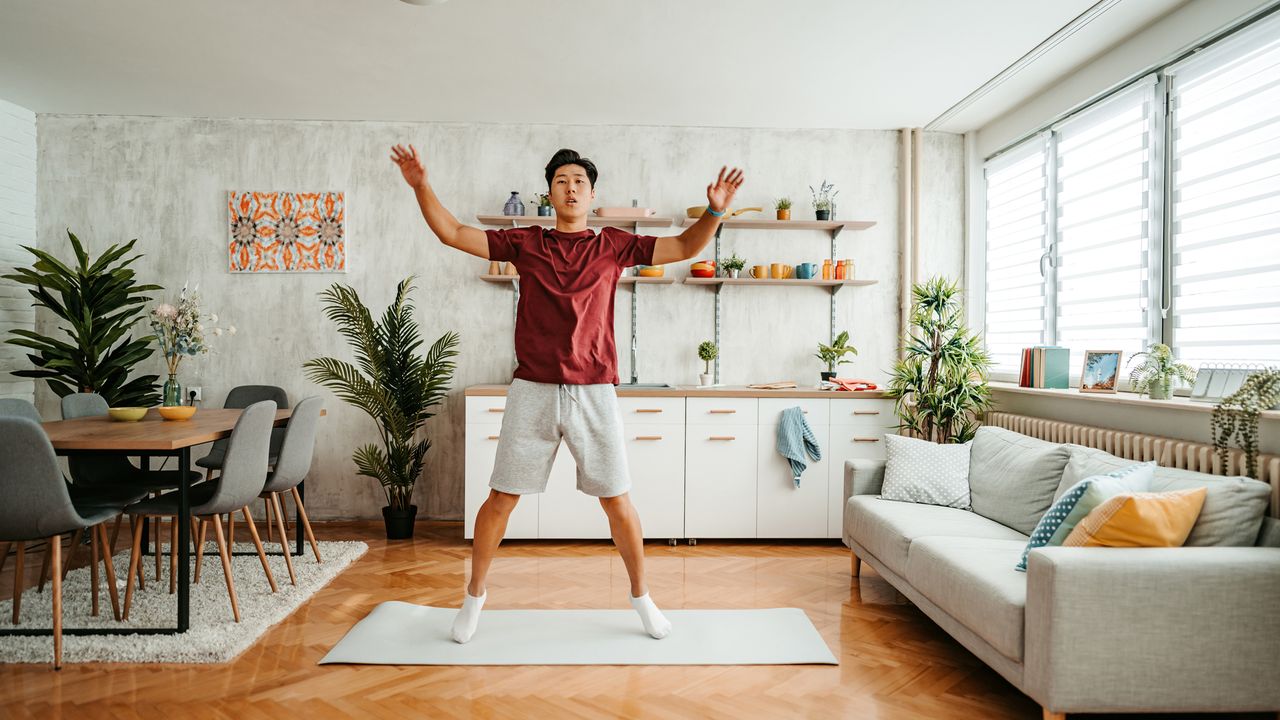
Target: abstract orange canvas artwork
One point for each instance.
(287, 232)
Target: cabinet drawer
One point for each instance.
(875, 413)
(816, 410)
(649, 410)
(863, 441)
(485, 408)
(721, 411)
(720, 481)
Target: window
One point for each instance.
(1225, 113)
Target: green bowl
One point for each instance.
(127, 414)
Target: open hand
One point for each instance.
(720, 193)
(410, 165)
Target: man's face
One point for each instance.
(571, 191)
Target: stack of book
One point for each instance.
(1044, 366)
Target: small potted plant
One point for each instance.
(1154, 375)
(824, 200)
(544, 204)
(834, 353)
(783, 206)
(707, 351)
(734, 265)
(1236, 416)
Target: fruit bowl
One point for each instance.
(177, 412)
(127, 414)
(650, 271)
(703, 269)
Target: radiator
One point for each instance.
(1167, 452)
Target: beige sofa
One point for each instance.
(1188, 629)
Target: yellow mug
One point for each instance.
(779, 271)
(759, 272)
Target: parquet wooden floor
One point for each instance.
(895, 664)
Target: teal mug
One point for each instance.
(806, 271)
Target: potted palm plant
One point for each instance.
(834, 353)
(394, 384)
(1155, 375)
(98, 301)
(940, 385)
(1237, 416)
(707, 351)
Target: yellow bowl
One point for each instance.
(650, 271)
(177, 412)
(127, 414)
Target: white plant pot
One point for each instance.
(705, 378)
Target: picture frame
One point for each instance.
(1101, 371)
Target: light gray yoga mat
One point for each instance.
(398, 633)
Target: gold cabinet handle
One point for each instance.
(866, 439)
(493, 437)
(648, 437)
(722, 437)
(722, 412)
(495, 409)
(648, 410)
(866, 412)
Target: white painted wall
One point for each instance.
(17, 228)
(164, 181)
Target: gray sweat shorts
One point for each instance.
(538, 415)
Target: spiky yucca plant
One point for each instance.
(394, 384)
(941, 384)
(98, 302)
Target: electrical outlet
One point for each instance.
(197, 390)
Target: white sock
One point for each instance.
(655, 623)
(464, 624)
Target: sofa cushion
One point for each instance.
(973, 580)
(886, 528)
(925, 472)
(1140, 520)
(1233, 509)
(1012, 477)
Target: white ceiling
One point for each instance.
(740, 63)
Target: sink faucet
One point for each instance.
(635, 378)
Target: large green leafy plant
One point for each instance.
(391, 381)
(98, 301)
(940, 384)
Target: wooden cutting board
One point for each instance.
(780, 385)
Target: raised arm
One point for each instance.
(690, 242)
(442, 222)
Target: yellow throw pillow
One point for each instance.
(1140, 520)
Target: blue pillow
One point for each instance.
(1080, 499)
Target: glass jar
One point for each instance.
(828, 272)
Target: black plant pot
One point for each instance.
(544, 210)
(399, 522)
(822, 214)
(827, 375)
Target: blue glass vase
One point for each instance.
(172, 391)
(514, 206)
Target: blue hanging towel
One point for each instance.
(795, 440)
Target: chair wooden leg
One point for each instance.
(1050, 715)
(115, 533)
(93, 570)
(44, 567)
(57, 602)
(173, 555)
(306, 522)
(109, 565)
(226, 565)
(284, 537)
(231, 531)
(856, 565)
(4, 554)
(134, 559)
(204, 525)
(266, 503)
(158, 522)
(17, 580)
(257, 543)
(70, 559)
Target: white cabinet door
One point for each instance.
(864, 440)
(481, 447)
(655, 455)
(786, 510)
(720, 481)
(563, 511)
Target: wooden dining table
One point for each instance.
(152, 436)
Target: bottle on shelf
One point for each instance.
(828, 272)
(840, 271)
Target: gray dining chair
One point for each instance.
(240, 397)
(244, 473)
(37, 506)
(291, 468)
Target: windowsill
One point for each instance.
(1122, 398)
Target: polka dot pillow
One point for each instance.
(1080, 499)
(920, 471)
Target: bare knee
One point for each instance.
(616, 504)
(502, 502)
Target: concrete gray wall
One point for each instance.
(164, 181)
(17, 228)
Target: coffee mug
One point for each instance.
(806, 271)
(779, 271)
(759, 272)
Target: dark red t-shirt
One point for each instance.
(564, 322)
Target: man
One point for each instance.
(567, 361)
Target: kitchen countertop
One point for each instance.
(695, 391)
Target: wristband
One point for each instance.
(713, 212)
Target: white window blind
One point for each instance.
(1103, 229)
(1225, 116)
(1017, 240)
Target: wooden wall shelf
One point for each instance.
(816, 282)
(767, 224)
(625, 280)
(592, 221)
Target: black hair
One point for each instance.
(565, 156)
